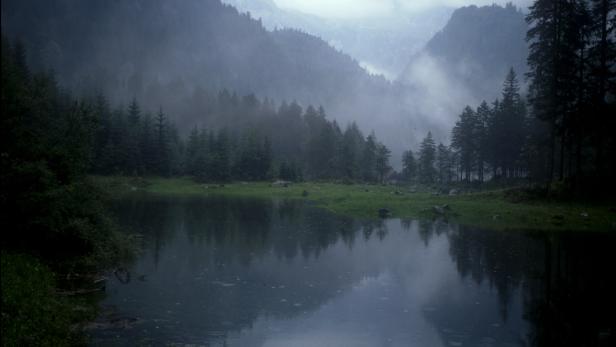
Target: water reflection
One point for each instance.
(244, 272)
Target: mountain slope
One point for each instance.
(477, 47)
(382, 43)
(464, 63)
(162, 52)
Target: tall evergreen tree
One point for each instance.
(382, 161)
(482, 139)
(162, 162)
(427, 157)
(444, 160)
(409, 166)
(464, 140)
(368, 169)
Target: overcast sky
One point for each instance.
(371, 8)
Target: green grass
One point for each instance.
(486, 209)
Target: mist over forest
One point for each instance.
(294, 172)
(176, 57)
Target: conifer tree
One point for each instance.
(409, 166)
(427, 157)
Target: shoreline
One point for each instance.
(487, 209)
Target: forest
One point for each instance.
(561, 131)
(550, 133)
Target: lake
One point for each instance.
(248, 272)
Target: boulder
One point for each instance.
(454, 192)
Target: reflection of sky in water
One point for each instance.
(247, 282)
(416, 288)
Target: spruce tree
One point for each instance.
(427, 157)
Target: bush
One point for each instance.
(32, 315)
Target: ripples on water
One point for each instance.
(241, 272)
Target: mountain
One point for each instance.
(463, 64)
(179, 54)
(477, 47)
(167, 53)
(381, 43)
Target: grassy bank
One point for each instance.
(493, 209)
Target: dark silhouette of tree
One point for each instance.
(409, 166)
(427, 158)
(444, 163)
(382, 161)
(464, 140)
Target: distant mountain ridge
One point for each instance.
(163, 52)
(382, 43)
(477, 47)
(175, 54)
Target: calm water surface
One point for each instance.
(240, 272)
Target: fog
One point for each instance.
(390, 38)
(387, 65)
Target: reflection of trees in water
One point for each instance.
(232, 237)
(573, 302)
(250, 227)
(427, 228)
(566, 280)
(502, 258)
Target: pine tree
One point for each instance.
(482, 139)
(162, 163)
(513, 113)
(427, 157)
(444, 164)
(134, 155)
(382, 161)
(369, 159)
(409, 166)
(464, 140)
(351, 146)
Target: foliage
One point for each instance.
(248, 144)
(31, 314)
(572, 59)
(427, 158)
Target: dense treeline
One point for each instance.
(47, 206)
(239, 138)
(254, 140)
(572, 92)
(487, 143)
(562, 131)
(53, 219)
(161, 56)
